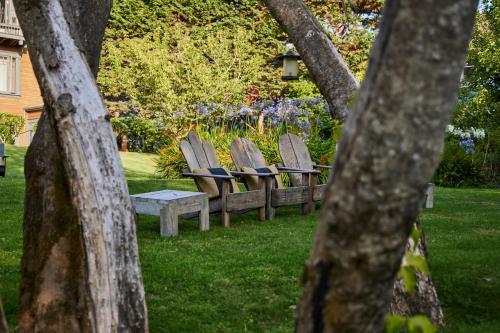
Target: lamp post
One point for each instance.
(290, 65)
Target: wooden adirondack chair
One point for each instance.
(3, 160)
(246, 154)
(200, 156)
(294, 154)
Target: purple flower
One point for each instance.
(468, 146)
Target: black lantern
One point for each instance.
(466, 71)
(290, 65)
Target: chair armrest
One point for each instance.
(329, 167)
(258, 174)
(190, 174)
(295, 170)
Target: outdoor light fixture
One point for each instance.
(465, 71)
(290, 65)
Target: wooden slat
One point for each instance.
(289, 158)
(245, 200)
(301, 151)
(211, 154)
(254, 154)
(189, 155)
(295, 154)
(290, 196)
(197, 147)
(238, 155)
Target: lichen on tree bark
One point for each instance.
(80, 269)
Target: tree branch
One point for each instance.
(325, 64)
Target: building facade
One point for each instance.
(19, 91)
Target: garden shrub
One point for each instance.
(143, 135)
(221, 124)
(10, 127)
(469, 159)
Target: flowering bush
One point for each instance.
(466, 159)
(262, 122)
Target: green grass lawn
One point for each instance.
(246, 278)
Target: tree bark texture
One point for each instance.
(326, 66)
(80, 268)
(298, 23)
(424, 299)
(389, 149)
(3, 322)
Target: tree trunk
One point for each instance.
(325, 64)
(390, 147)
(80, 267)
(3, 322)
(424, 299)
(298, 22)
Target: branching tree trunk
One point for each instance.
(80, 267)
(302, 26)
(390, 147)
(326, 66)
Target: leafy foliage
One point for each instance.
(221, 124)
(417, 324)
(478, 106)
(10, 127)
(143, 135)
(163, 56)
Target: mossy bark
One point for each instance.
(424, 299)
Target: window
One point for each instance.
(9, 73)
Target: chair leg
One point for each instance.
(306, 207)
(270, 211)
(262, 210)
(312, 186)
(429, 200)
(224, 213)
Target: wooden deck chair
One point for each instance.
(247, 156)
(224, 194)
(3, 160)
(295, 155)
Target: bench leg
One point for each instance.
(204, 216)
(169, 222)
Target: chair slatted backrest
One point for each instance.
(294, 154)
(246, 154)
(198, 155)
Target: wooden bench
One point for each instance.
(169, 204)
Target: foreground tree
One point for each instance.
(80, 267)
(389, 150)
(338, 85)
